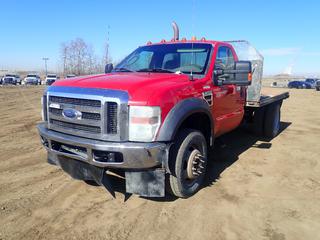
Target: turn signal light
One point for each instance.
(250, 76)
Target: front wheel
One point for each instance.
(188, 162)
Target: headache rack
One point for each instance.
(257, 96)
(246, 52)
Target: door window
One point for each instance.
(225, 60)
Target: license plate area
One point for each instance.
(70, 149)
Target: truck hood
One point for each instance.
(140, 86)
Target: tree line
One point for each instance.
(78, 57)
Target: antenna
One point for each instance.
(107, 45)
(193, 33)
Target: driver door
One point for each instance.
(228, 99)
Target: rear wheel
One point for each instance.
(272, 120)
(188, 162)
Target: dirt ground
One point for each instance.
(255, 189)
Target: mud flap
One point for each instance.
(148, 183)
(80, 170)
(83, 171)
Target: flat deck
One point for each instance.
(268, 96)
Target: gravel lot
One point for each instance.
(255, 189)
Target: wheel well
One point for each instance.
(200, 122)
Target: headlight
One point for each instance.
(144, 123)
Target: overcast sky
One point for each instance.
(286, 32)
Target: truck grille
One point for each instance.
(112, 110)
(99, 119)
(85, 115)
(75, 101)
(73, 126)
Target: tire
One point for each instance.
(318, 88)
(272, 120)
(189, 145)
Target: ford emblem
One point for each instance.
(70, 113)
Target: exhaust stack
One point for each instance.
(175, 31)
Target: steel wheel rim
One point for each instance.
(194, 166)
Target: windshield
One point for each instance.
(181, 57)
(51, 76)
(30, 75)
(310, 80)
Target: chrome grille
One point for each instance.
(99, 118)
(112, 110)
(85, 115)
(75, 101)
(73, 126)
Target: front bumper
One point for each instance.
(133, 155)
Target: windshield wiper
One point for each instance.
(160, 70)
(122, 69)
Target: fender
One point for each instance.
(179, 113)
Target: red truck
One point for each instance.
(155, 116)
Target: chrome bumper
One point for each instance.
(134, 155)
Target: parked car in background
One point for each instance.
(312, 81)
(9, 80)
(299, 84)
(32, 79)
(70, 76)
(318, 85)
(18, 79)
(51, 78)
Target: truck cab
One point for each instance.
(155, 115)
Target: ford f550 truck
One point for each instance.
(156, 114)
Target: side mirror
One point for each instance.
(108, 68)
(240, 75)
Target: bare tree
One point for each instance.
(64, 55)
(78, 58)
(107, 57)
